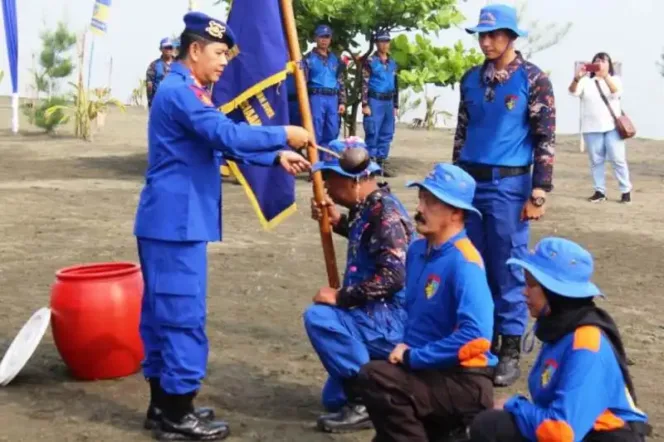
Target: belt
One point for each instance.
(381, 95)
(322, 91)
(486, 173)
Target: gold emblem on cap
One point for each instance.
(215, 29)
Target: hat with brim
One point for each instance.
(495, 17)
(335, 167)
(562, 266)
(443, 196)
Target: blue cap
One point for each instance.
(323, 31)
(165, 42)
(562, 266)
(493, 17)
(208, 28)
(450, 184)
(383, 36)
(333, 164)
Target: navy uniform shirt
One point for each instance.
(181, 199)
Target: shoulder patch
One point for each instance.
(469, 252)
(588, 337)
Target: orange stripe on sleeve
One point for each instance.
(468, 250)
(473, 354)
(554, 431)
(588, 338)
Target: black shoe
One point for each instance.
(190, 427)
(352, 417)
(597, 197)
(386, 171)
(626, 198)
(508, 371)
(495, 344)
(154, 414)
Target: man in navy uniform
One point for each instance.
(325, 83)
(179, 212)
(380, 100)
(505, 140)
(159, 68)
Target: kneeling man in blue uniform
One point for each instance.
(364, 319)
(440, 377)
(179, 212)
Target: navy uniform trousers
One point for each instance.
(173, 316)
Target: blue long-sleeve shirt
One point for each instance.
(449, 305)
(576, 386)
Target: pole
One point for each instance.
(92, 51)
(312, 153)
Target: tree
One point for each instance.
(355, 22)
(540, 36)
(407, 104)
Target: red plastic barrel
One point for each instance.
(95, 314)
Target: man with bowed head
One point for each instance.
(505, 140)
(364, 319)
(179, 212)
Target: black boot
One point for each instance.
(387, 172)
(154, 414)
(352, 417)
(180, 422)
(495, 344)
(508, 371)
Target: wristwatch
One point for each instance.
(538, 202)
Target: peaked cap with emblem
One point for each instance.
(208, 28)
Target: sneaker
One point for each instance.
(597, 197)
(626, 198)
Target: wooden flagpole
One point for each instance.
(312, 153)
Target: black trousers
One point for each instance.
(499, 426)
(421, 406)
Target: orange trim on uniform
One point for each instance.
(608, 421)
(554, 431)
(468, 250)
(473, 354)
(588, 337)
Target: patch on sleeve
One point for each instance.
(469, 252)
(588, 337)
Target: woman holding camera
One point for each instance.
(598, 87)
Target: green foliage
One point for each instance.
(407, 104)
(423, 63)
(354, 23)
(55, 59)
(37, 113)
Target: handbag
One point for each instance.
(624, 125)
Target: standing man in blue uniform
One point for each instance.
(380, 100)
(440, 377)
(580, 384)
(325, 81)
(159, 68)
(506, 127)
(294, 116)
(179, 212)
(364, 319)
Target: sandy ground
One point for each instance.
(63, 201)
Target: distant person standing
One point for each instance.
(380, 100)
(159, 68)
(598, 126)
(327, 93)
(506, 127)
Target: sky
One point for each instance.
(614, 26)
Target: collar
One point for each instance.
(179, 68)
(431, 250)
(321, 55)
(491, 75)
(377, 55)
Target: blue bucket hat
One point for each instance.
(209, 28)
(494, 17)
(383, 36)
(323, 31)
(333, 164)
(450, 184)
(562, 266)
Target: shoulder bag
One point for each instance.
(624, 125)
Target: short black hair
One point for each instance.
(186, 40)
(606, 57)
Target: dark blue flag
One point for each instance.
(252, 89)
(11, 36)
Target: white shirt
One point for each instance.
(595, 116)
